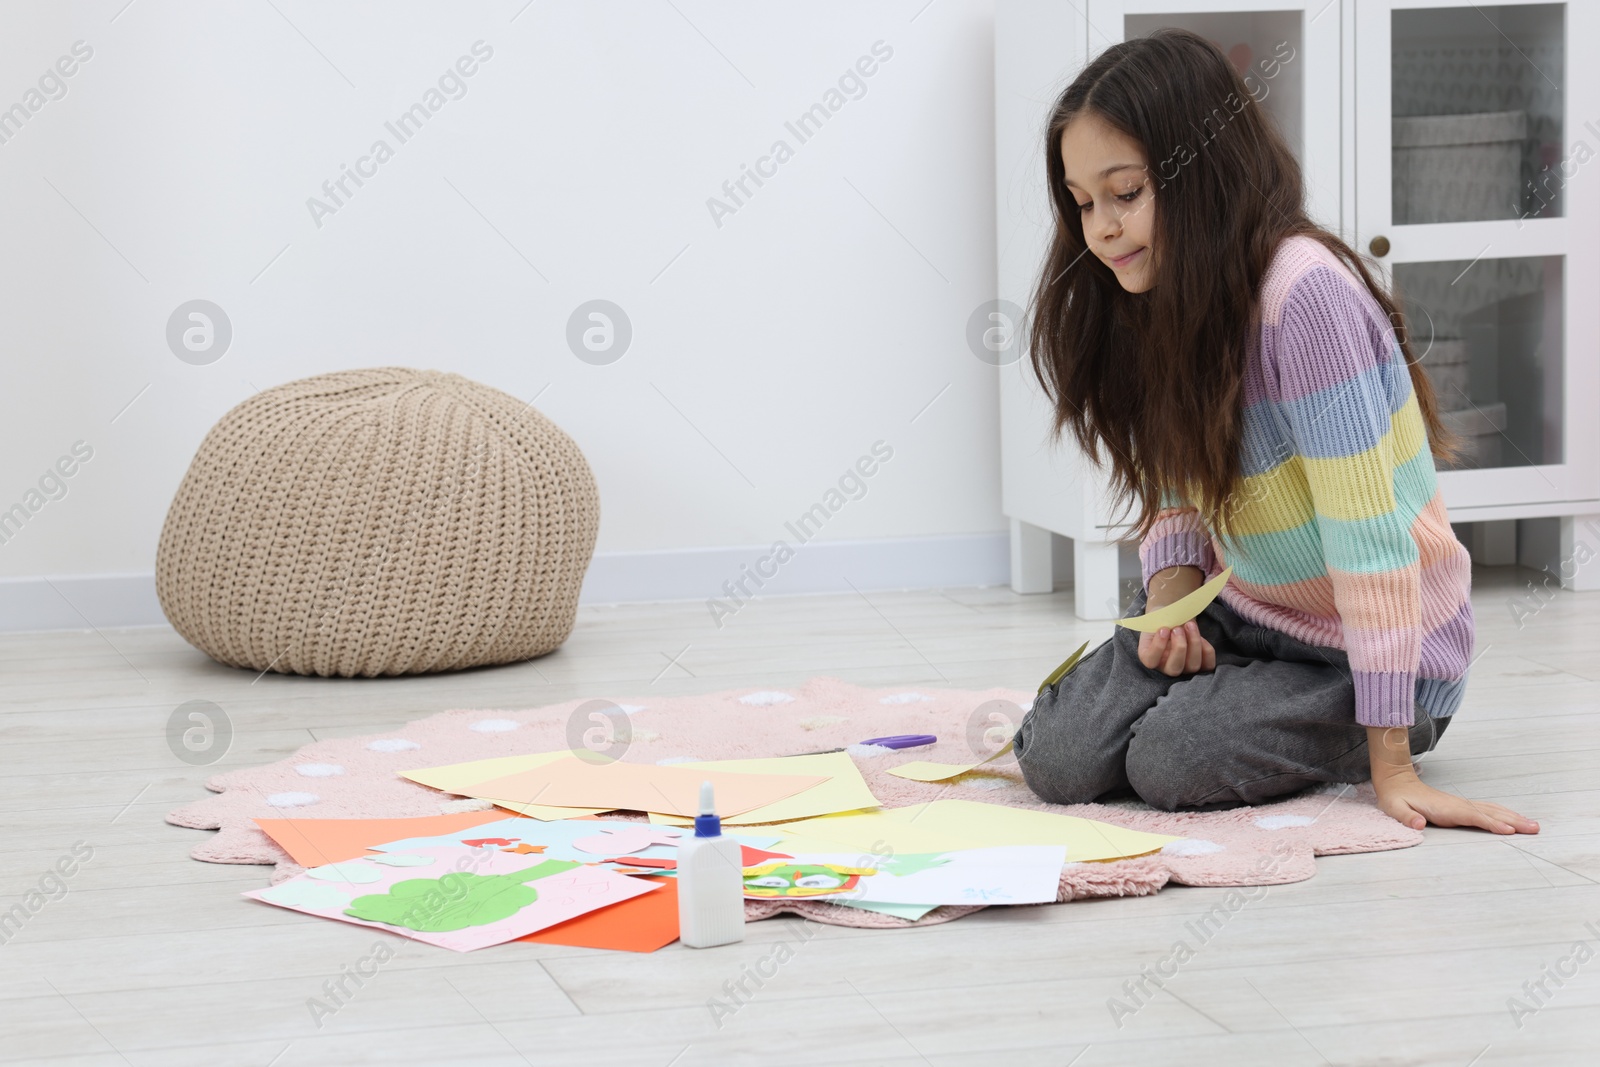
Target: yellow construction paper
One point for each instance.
(1179, 611)
(457, 778)
(454, 776)
(662, 819)
(641, 786)
(943, 825)
(1066, 668)
(547, 812)
(927, 771)
(845, 789)
(996, 824)
(869, 833)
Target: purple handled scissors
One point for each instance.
(901, 741)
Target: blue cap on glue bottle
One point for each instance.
(707, 823)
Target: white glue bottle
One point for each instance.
(710, 882)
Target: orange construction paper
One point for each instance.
(578, 783)
(314, 842)
(642, 924)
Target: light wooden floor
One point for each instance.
(1407, 957)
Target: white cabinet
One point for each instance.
(1456, 144)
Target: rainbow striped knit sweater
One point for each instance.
(1342, 538)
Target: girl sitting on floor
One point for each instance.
(1252, 392)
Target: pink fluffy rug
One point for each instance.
(355, 777)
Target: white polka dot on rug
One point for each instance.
(632, 709)
(870, 751)
(318, 770)
(984, 781)
(495, 726)
(904, 698)
(1279, 822)
(766, 697)
(1191, 846)
(391, 744)
(292, 800)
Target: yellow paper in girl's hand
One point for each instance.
(1179, 611)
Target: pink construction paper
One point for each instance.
(562, 896)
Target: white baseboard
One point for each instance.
(815, 567)
(79, 602)
(104, 601)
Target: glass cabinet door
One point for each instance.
(1471, 195)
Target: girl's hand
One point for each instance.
(1180, 650)
(1406, 799)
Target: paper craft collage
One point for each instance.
(545, 866)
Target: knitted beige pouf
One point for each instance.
(383, 521)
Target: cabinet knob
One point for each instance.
(1379, 246)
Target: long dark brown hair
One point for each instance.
(1132, 374)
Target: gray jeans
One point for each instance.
(1276, 716)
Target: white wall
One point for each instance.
(824, 315)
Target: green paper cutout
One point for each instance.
(456, 900)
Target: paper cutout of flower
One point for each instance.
(456, 900)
